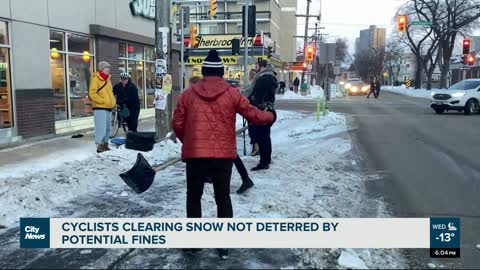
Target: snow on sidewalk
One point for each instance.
(315, 92)
(403, 90)
(312, 175)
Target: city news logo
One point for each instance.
(34, 233)
(445, 237)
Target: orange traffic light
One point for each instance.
(470, 60)
(466, 46)
(402, 23)
(310, 53)
(213, 8)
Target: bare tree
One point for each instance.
(394, 59)
(370, 63)
(341, 51)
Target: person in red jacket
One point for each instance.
(204, 121)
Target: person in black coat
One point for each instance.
(296, 83)
(126, 93)
(262, 96)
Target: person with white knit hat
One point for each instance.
(204, 121)
(101, 93)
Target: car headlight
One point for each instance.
(365, 88)
(432, 94)
(354, 89)
(458, 94)
(348, 85)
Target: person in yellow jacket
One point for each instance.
(101, 93)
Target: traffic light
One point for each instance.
(213, 8)
(470, 60)
(466, 46)
(402, 23)
(235, 46)
(309, 53)
(269, 51)
(252, 20)
(193, 36)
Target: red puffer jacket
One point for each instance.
(204, 119)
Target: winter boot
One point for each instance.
(260, 167)
(247, 184)
(223, 253)
(101, 148)
(105, 146)
(255, 150)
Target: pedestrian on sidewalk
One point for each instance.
(377, 88)
(372, 87)
(296, 83)
(247, 182)
(263, 97)
(126, 93)
(101, 93)
(208, 110)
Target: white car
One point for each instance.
(462, 96)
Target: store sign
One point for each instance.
(143, 8)
(227, 60)
(224, 41)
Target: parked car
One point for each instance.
(356, 87)
(462, 96)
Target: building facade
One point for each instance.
(48, 52)
(371, 38)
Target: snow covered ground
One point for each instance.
(419, 93)
(313, 174)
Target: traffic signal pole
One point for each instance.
(305, 38)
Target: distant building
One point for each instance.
(371, 38)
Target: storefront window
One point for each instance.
(57, 70)
(57, 40)
(122, 50)
(135, 69)
(79, 44)
(150, 83)
(140, 64)
(135, 52)
(71, 86)
(80, 74)
(3, 33)
(6, 117)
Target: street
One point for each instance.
(428, 164)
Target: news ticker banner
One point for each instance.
(441, 235)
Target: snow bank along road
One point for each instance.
(429, 164)
(313, 174)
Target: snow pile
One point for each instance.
(419, 93)
(36, 192)
(316, 91)
(292, 95)
(350, 260)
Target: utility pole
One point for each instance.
(163, 110)
(305, 37)
(314, 63)
(245, 40)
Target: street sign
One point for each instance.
(421, 23)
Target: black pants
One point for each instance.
(220, 171)
(262, 134)
(252, 130)
(132, 119)
(372, 92)
(240, 168)
(377, 93)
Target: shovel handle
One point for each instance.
(178, 159)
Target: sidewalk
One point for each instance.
(50, 153)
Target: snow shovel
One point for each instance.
(140, 177)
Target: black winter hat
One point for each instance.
(213, 65)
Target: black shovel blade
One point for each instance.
(140, 177)
(140, 141)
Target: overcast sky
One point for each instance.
(345, 18)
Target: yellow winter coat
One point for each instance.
(102, 98)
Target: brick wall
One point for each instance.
(35, 112)
(107, 50)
